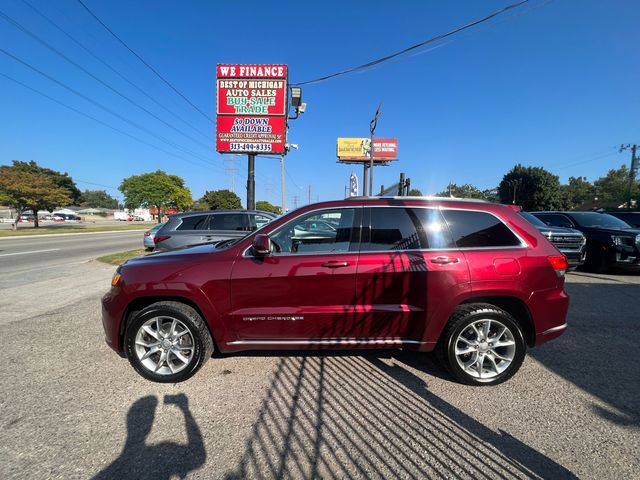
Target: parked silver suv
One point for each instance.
(193, 228)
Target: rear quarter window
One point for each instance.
(228, 221)
(194, 222)
(474, 229)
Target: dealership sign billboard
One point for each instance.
(251, 108)
(357, 149)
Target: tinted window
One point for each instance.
(227, 221)
(317, 232)
(406, 229)
(472, 229)
(599, 220)
(533, 220)
(555, 219)
(193, 222)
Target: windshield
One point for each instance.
(533, 220)
(599, 220)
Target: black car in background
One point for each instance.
(632, 218)
(611, 242)
(572, 243)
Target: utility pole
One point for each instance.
(232, 172)
(372, 130)
(295, 201)
(364, 179)
(284, 198)
(635, 161)
(309, 194)
(268, 189)
(251, 182)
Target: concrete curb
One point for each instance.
(44, 235)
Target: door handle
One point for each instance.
(335, 264)
(444, 260)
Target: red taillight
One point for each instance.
(160, 238)
(147, 234)
(559, 264)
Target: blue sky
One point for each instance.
(553, 84)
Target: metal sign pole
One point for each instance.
(251, 182)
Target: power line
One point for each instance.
(413, 47)
(99, 105)
(96, 78)
(144, 62)
(113, 69)
(116, 129)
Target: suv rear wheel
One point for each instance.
(168, 342)
(482, 345)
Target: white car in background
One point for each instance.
(148, 243)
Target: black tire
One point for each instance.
(202, 345)
(460, 321)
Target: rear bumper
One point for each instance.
(549, 313)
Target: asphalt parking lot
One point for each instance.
(71, 408)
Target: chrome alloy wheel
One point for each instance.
(164, 345)
(485, 349)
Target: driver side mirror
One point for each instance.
(261, 244)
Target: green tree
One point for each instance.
(97, 199)
(461, 191)
(267, 207)
(414, 192)
(26, 186)
(577, 191)
(614, 186)
(62, 180)
(155, 189)
(535, 189)
(491, 195)
(221, 200)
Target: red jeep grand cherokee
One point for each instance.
(472, 280)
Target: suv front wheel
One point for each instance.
(168, 342)
(482, 345)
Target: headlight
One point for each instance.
(115, 280)
(622, 241)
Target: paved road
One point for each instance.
(71, 408)
(24, 260)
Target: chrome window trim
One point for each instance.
(522, 245)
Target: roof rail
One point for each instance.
(424, 197)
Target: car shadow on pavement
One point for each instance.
(598, 352)
(160, 461)
(328, 416)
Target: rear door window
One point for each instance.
(474, 229)
(235, 222)
(406, 229)
(193, 222)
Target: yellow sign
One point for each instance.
(354, 148)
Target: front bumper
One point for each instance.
(113, 309)
(575, 258)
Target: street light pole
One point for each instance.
(372, 130)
